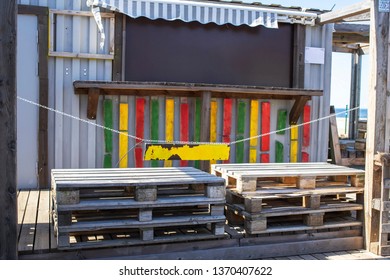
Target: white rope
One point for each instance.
(181, 142)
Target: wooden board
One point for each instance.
(253, 130)
(26, 243)
(213, 124)
(182, 152)
(184, 125)
(42, 239)
(154, 123)
(123, 138)
(241, 117)
(227, 121)
(139, 130)
(108, 141)
(169, 123)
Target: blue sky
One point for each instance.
(341, 66)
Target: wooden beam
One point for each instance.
(117, 74)
(334, 139)
(377, 119)
(358, 18)
(8, 197)
(205, 125)
(194, 90)
(93, 100)
(362, 29)
(299, 56)
(347, 38)
(43, 73)
(356, 72)
(297, 109)
(347, 12)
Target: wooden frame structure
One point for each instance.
(8, 196)
(43, 28)
(378, 125)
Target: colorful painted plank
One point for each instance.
(253, 130)
(186, 152)
(227, 121)
(306, 126)
(241, 116)
(123, 138)
(139, 130)
(184, 124)
(108, 122)
(264, 158)
(306, 134)
(198, 109)
(294, 143)
(281, 122)
(154, 125)
(279, 152)
(265, 126)
(213, 124)
(169, 124)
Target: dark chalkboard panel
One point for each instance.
(164, 51)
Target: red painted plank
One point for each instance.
(306, 127)
(265, 125)
(139, 130)
(227, 121)
(184, 125)
(264, 158)
(305, 157)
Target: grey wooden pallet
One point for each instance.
(254, 202)
(301, 220)
(104, 200)
(245, 177)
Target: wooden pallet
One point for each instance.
(245, 177)
(294, 219)
(144, 201)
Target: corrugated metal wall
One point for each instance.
(74, 144)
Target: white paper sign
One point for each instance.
(384, 5)
(314, 55)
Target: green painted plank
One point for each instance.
(108, 122)
(154, 126)
(108, 141)
(279, 152)
(198, 109)
(281, 121)
(107, 163)
(241, 113)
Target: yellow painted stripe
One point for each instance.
(169, 123)
(123, 139)
(213, 123)
(253, 130)
(294, 144)
(187, 152)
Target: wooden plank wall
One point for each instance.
(229, 121)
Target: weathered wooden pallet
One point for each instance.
(112, 200)
(254, 202)
(245, 177)
(124, 235)
(261, 222)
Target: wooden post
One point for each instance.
(8, 198)
(376, 123)
(355, 93)
(205, 125)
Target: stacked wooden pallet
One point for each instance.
(290, 197)
(353, 152)
(114, 207)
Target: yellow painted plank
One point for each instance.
(123, 116)
(213, 123)
(123, 139)
(123, 148)
(253, 130)
(169, 123)
(186, 152)
(294, 144)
